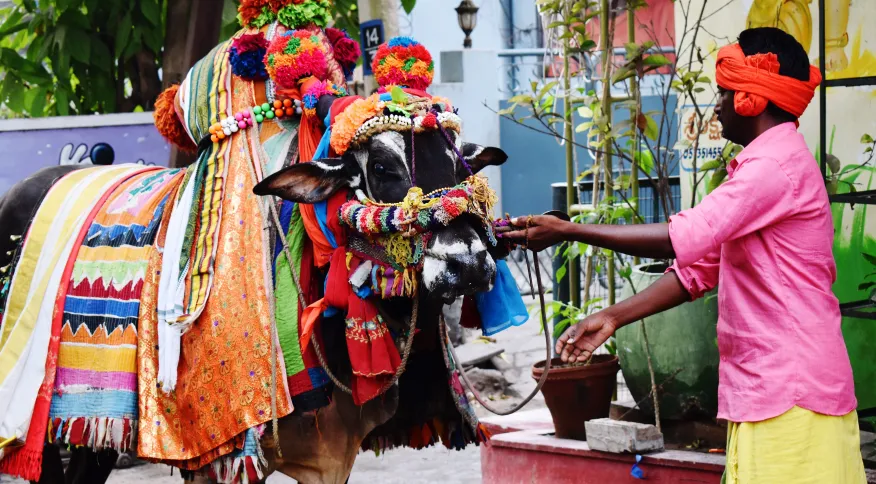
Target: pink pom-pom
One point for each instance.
(241, 124)
(239, 117)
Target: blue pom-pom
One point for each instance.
(249, 65)
(402, 41)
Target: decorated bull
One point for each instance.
(295, 273)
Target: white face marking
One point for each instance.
(327, 167)
(395, 142)
(433, 270)
(355, 181)
(361, 157)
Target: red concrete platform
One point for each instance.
(536, 457)
(534, 420)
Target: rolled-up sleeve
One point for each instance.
(758, 195)
(699, 277)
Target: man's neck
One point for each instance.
(761, 125)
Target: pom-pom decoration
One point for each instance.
(293, 14)
(346, 50)
(247, 56)
(403, 62)
(294, 56)
(310, 99)
(299, 14)
(255, 13)
(168, 123)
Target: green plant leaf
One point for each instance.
(866, 285)
(62, 102)
(710, 165)
(152, 11)
(79, 45)
(656, 60)
(716, 179)
(561, 273)
(866, 139)
(123, 34)
(870, 258)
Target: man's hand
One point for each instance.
(544, 231)
(581, 340)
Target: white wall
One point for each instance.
(480, 122)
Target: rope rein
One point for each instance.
(445, 336)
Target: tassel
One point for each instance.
(15, 238)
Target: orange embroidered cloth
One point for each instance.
(224, 384)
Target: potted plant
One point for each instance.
(577, 392)
(625, 150)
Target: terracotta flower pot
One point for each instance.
(576, 394)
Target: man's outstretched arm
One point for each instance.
(647, 240)
(581, 340)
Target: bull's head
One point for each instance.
(457, 260)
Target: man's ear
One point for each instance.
(479, 157)
(310, 182)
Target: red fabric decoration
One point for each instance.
(470, 317)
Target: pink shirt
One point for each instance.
(765, 238)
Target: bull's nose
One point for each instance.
(452, 277)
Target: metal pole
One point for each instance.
(634, 115)
(574, 271)
(605, 44)
(822, 92)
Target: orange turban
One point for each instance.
(756, 80)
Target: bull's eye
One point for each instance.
(379, 169)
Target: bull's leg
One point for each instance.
(90, 467)
(321, 448)
(53, 468)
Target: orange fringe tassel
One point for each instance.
(169, 124)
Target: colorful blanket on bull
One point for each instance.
(95, 402)
(32, 319)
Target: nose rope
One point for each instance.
(413, 154)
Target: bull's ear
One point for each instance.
(479, 157)
(310, 182)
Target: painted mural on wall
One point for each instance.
(850, 39)
(25, 152)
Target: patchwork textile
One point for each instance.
(31, 323)
(95, 402)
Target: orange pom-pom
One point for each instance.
(168, 123)
(278, 104)
(278, 112)
(290, 111)
(287, 103)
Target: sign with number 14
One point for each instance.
(371, 33)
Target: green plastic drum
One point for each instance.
(684, 352)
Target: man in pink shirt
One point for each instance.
(764, 238)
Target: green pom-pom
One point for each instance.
(266, 107)
(269, 114)
(260, 118)
(257, 110)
